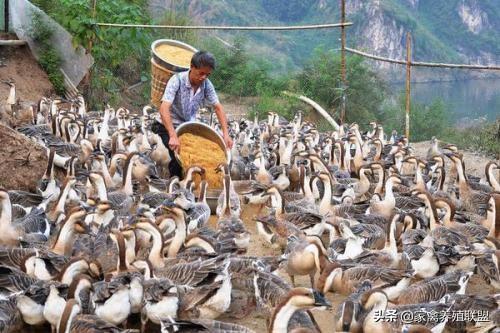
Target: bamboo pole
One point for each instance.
(316, 107)
(6, 15)
(420, 63)
(408, 78)
(91, 40)
(219, 27)
(342, 62)
(14, 42)
(87, 77)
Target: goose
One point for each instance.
(203, 325)
(155, 256)
(349, 246)
(59, 207)
(209, 300)
(376, 302)
(310, 223)
(388, 256)
(12, 231)
(435, 288)
(190, 172)
(63, 243)
(80, 290)
(347, 281)
(262, 176)
(374, 236)
(55, 304)
(72, 321)
(296, 299)
(471, 200)
(178, 239)
(433, 149)
(281, 181)
(386, 206)
(48, 186)
(10, 317)
(111, 301)
(349, 314)
(161, 302)
(200, 212)
(228, 203)
(486, 304)
(441, 234)
(473, 232)
(492, 219)
(11, 98)
(31, 303)
(121, 199)
(490, 175)
(304, 257)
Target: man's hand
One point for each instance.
(228, 141)
(174, 143)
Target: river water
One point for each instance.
(471, 99)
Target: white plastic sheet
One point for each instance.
(75, 62)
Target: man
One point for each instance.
(184, 94)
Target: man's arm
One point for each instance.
(166, 119)
(223, 123)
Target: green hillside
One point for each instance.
(439, 32)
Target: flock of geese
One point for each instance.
(111, 243)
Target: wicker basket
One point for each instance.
(159, 79)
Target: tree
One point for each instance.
(321, 80)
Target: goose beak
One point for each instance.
(320, 300)
(88, 208)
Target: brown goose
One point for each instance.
(376, 301)
(296, 299)
(347, 281)
(473, 232)
(490, 169)
(308, 222)
(74, 322)
(471, 200)
(305, 256)
(435, 288)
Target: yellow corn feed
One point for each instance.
(174, 55)
(197, 150)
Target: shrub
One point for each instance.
(48, 57)
(426, 121)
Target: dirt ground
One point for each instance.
(18, 64)
(474, 162)
(22, 162)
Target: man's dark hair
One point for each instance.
(203, 59)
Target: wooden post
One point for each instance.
(6, 15)
(342, 62)
(408, 77)
(86, 78)
(94, 4)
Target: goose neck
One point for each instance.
(6, 215)
(100, 187)
(62, 199)
(179, 237)
(127, 181)
(327, 195)
(65, 237)
(281, 318)
(156, 252)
